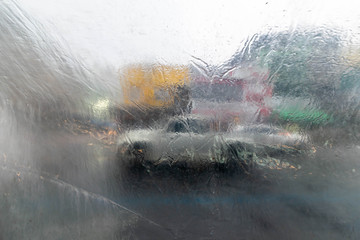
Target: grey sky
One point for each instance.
(117, 32)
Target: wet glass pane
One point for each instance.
(179, 119)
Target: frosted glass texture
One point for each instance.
(179, 120)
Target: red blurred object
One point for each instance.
(242, 94)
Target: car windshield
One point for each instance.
(188, 125)
(179, 119)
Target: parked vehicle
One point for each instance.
(192, 142)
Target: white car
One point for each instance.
(191, 142)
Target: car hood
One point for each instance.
(274, 136)
(140, 135)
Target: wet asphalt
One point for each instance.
(66, 183)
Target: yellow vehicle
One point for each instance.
(152, 89)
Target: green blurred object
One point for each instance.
(302, 117)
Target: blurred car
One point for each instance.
(192, 142)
